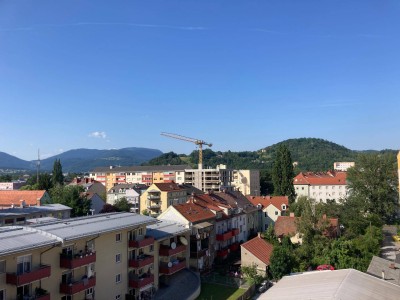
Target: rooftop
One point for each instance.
(260, 248)
(18, 211)
(321, 178)
(265, 201)
(390, 269)
(164, 229)
(7, 198)
(194, 212)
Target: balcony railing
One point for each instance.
(234, 247)
(140, 262)
(224, 236)
(138, 283)
(222, 253)
(168, 251)
(153, 197)
(78, 260)
(33, 275)
(172, 267)
(198, 254)
(77, 286)
(147, 241)
(235, 231)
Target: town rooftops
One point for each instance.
(260, 248)
(194, 212)
(126, 186)
(321, 178)
(265, 201)
(169, 187)
(70, 229)
(132, 169)
(164, 229)
(343, 284)
(15, 197)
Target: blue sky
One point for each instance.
(240, 74)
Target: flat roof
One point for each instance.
(343, 284)
(74, 228)
(160, 168)
(18, 211)
(164, 229)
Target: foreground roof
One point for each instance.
(260, 248)
(321, 178)
(16, 196)
(164, 228)
(391, 270)
(347, 284)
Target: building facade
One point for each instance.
(343, 165)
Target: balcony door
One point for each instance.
(24, 292)
(24, 264)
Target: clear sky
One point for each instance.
(240, 74)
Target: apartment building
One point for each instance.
(209, 179)
(343, 166)
(130, 191)
(246, 181)
(14, 185)
(159, 196)
(321, 186)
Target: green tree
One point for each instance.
(251, 273)
(72, 196)
(123, 205)
(57, 175)
(372, 185)
(282, 261)
(266, 185)
(282, 174)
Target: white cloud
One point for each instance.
(98, 134)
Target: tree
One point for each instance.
(266, 185)
(282, 261)
(251, 273)
(283, 174)
(123, 205)
(372, 184)
(57, 175)
(72, 196)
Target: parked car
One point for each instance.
(264, 286)
(396, 238)
(325, 267)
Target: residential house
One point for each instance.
(271, 208)
(159, 196)
(321, 186)
(14, 185)
(343, 165)
(257, 252)
(24, 198)
(130, 191)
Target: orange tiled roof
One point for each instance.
(194, 212)
(265, 201)
(7, 198)
(321, 178)
(260, 249)
(169, 186)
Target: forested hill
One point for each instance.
(311, 154)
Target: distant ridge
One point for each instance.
(83, 160)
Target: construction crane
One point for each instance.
(200, 143)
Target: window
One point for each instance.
(118, 297)
(2, 267)
(66, 298)
(151, 248)
(265, 214)
(141, 231)
(118, 278)
(118, 258)
(3, 295)
(276, 213)
(24, 264)
(89, 291)
(118, 237)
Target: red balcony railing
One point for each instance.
(147, 241)
(75, 261)
(224, 236)
(222, 253)
(198, 254)
(235, 231)
(175, 267)
(168, 251)
(31, 276)
(138, 283)
(234, 247)
(42, 297)
(141, 262)
(78, 286)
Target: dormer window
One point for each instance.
(283, 207)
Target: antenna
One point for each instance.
(38, 167)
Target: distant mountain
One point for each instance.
(84, 160)
(311, 154)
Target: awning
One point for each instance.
(203, 225)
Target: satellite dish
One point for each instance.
(198, 236)
(173, 245)
(183, 240)
(169, 264)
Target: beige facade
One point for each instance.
(248, 259)
(343, 165)
(247, 181)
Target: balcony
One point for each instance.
(147, 241)
(141, 261)
(235, 231)
(138, 283)
(76, 261)
(77, 286)
(198, 254)
(172, 267)
(168, 251)
(222, 253)
(28, 277)
(234, 247)
(224, 236)
(153, 205)
(153, 197)
(41, 297)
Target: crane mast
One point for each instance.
(197, 142)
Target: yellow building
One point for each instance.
(159, 196)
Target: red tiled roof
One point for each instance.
(265, 201)
(194, 212)
(321, 178)
(7, 198)
(260, 249)
(285, 225)
(169, 186)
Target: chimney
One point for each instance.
(259, 234)
(292, 214)
(383, 274)
(392, 266)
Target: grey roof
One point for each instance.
(391, 269)
(70, 229)
(41, 220)
(134, 186)
(347, 284)
(18, 211)
(164, 229)
(141, 169)
(17, 239)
